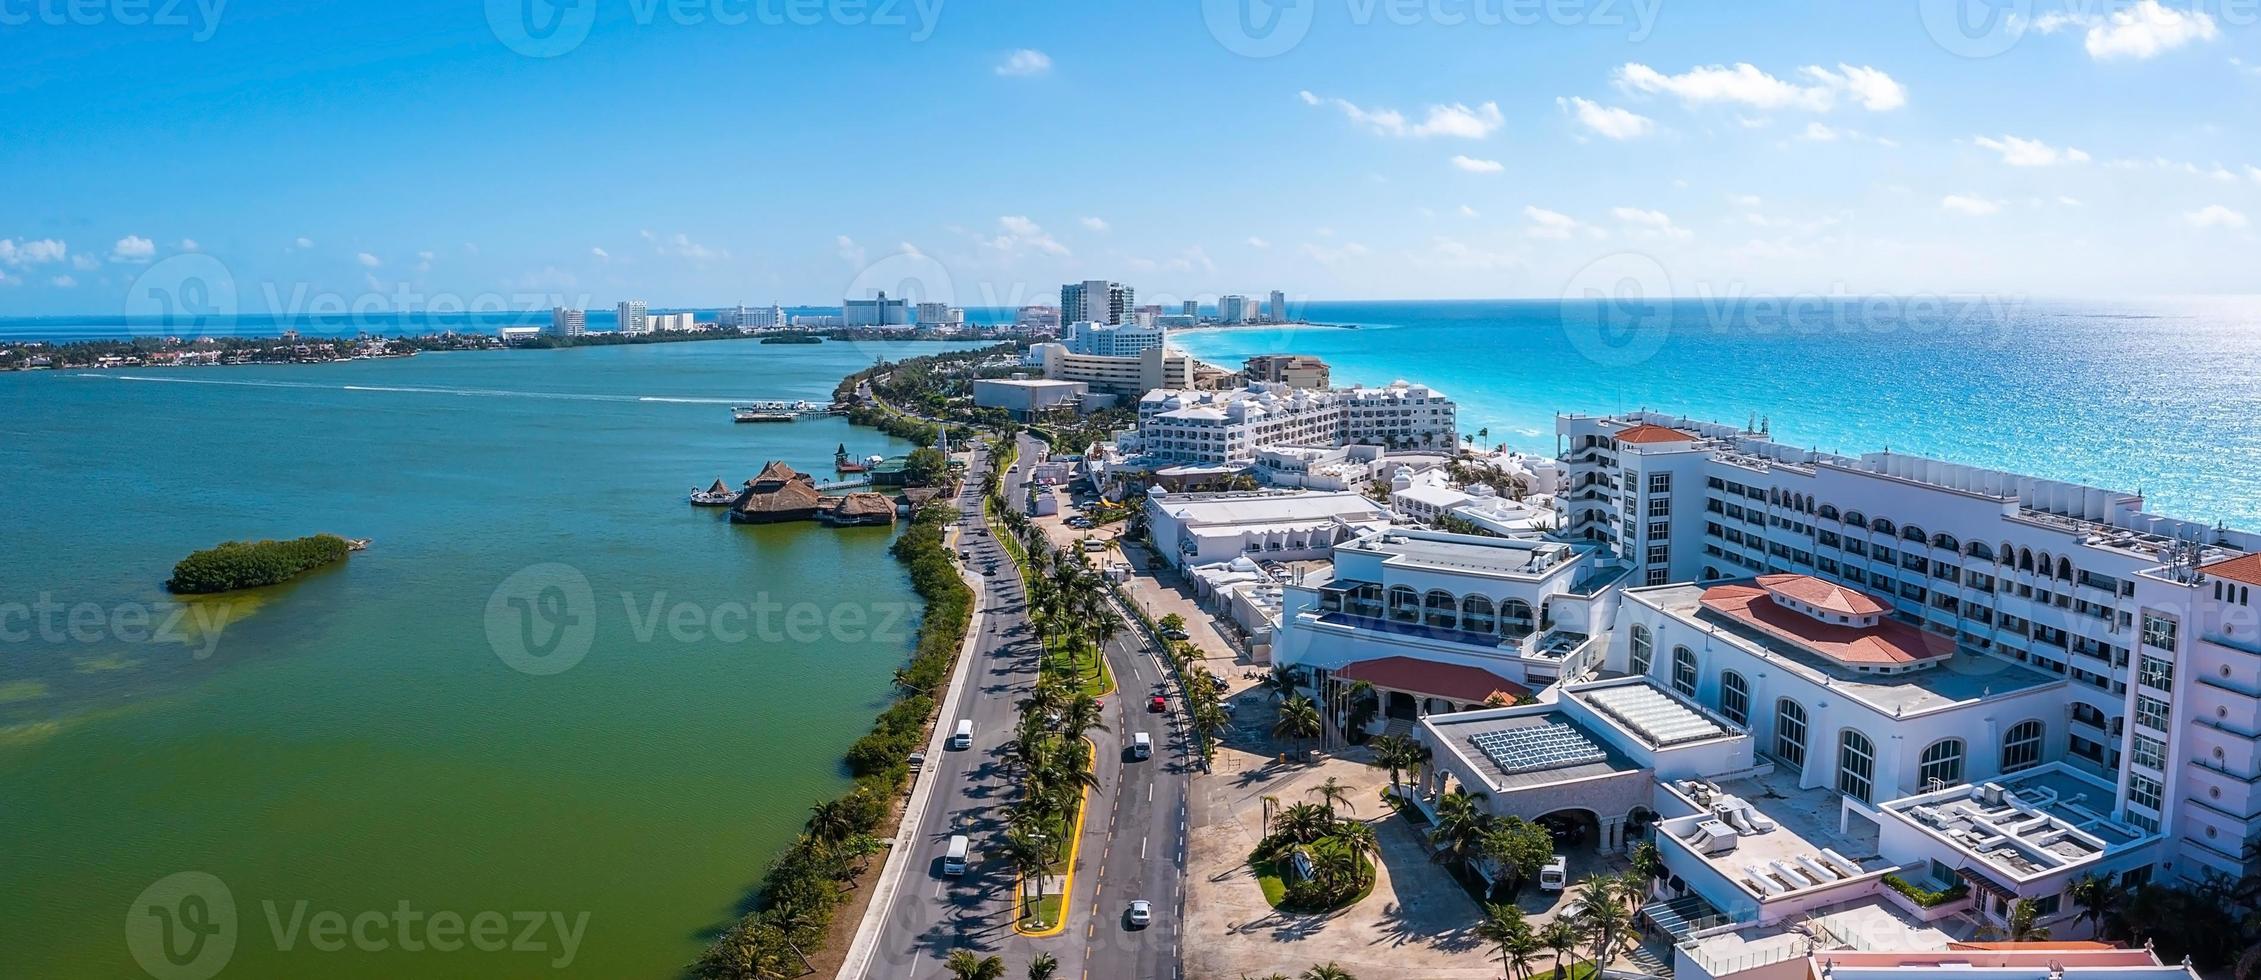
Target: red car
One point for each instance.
(1158, 703)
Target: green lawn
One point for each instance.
(1270, 878)
(1046, 911)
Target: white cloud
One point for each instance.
(1970, 204)
(1020, 234)
(1745, 200)
(1329, 255)
(304, 242)
(64, 282)
(1745, 85)
(1457, 120)
(600, 254)
(2216, 216)
(1650, 224)
(2146, 30)
(1095, 224)
(133, 248)
(1024, 62)
(424, 261)
(2069, 201)
(1467, 212)
(1477, 166)
(188, 244)
(1818, 133)
(1255, 242)
(849, 251)
(368, 260)
(85, 263)
(1607, 121)
(33, 252)
(1554, 224)
(2020, 152)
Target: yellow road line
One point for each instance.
(1068, 887)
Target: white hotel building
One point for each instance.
(1231, 426)
(1903, 631)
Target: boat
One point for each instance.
(718, 495)
(751, 413)
(843, 463)
(357, 544)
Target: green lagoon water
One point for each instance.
(351, 740)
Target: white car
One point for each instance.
(1555, 875)
(1141, 914)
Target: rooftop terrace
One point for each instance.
(1773, 839)
(1961, 678)
(2023, 826)
(1588, 757)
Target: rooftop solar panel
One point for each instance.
(1553, 745)
(1653, 714)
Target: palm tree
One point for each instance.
(1327, 971)
(2021, 924)
(1523, 950)
(1358, 837)
(1281, 682)
(1460, 828)
(964, 965)
(1561, 937)
(1303, 823)
(1603, 919)
(1025, 851)
(1299, 719)
(1503, 927)
(1485, 434)
(1331, 792)
(1042, 967)
(1398, 754)
(2096, 899)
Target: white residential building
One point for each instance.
(878, 311)
(940, 315)
(1277, 310)
(751, 317)
(1436, 604)
(1231, 426)
(2068, 625)
(1113, 339)
(1121, 377)
(1236, 309)
(671, 323)
(632, 319)
(1097, 301)
(1206, 528)
(568, 323)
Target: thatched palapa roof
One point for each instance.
(778, 489)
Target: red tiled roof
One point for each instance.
(1825, 595)
(2063, 945)
(1889, 643)
(1468, 685)
(2246, 569)
(1643, 434)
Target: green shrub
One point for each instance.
(250, 564)
(1925, 897)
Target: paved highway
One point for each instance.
(1133, 845)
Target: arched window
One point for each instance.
(2021, 748)
(1476, 614)
(2065, 569)
(1735, 698)
(1829, 512)
(1405, 604)
(1441, 606)
(1684, 671)
(1943, 761)
(1979, 550)
(1854, 517)
(1882, 525)
(1790, 733)
(1644, 649)
(2041, 562)
(1514, 618)
(1856, 765)
(1945, 542)
(2025, 559)
(1913, 533)
(2007, 555)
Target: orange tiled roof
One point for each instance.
(1643, 434)
(2246, 569)
(1825, 595)
(1888, 643)
(2062, 945)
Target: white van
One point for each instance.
(1142, 746)
(954, 859)
(1555, 875)
(963, 737)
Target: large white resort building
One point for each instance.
(1823, 685)
(1232, 426)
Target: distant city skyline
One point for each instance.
(2092, 149)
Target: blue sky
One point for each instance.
(407, 153)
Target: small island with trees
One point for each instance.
(236, 565)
